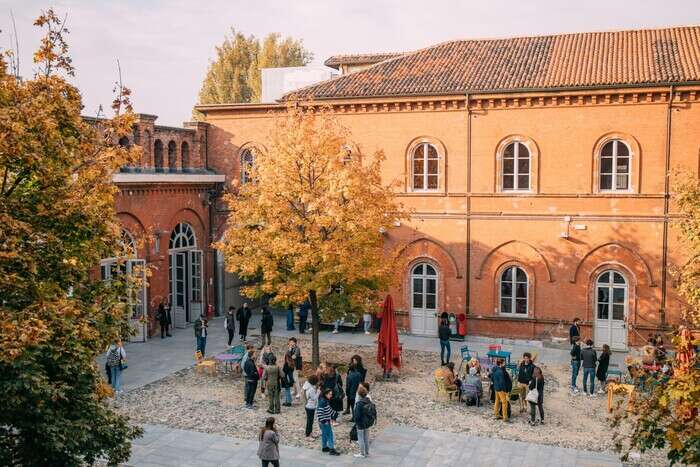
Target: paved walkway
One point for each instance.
(395, 446)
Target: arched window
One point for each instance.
(182, 236)
(128, 245)
(424, 287)
(425, 167)
(172, 155)
(158, 155)
(611, 296)
(516, 167)
(615, 166)
(514, 291)
(247, 161)
(185, 154)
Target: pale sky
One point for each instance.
(164, 46)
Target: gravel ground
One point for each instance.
(214, 404)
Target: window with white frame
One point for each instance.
(513, 291)
(615, 166)
(425, 167)
(516, 167)
(247, 161)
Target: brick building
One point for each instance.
(535, 168)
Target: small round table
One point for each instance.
(227, 359)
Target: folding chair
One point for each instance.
(466, 356)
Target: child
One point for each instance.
(602, 372)
(288, 379)
(324, 414)
(575, 362)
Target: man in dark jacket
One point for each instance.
(444, 336)
(266, 324)
(243, 316)
(303, 316)
(575, 363)
(500, 380)
(251, 379)
(230, 323)
(201, 329)
(361, 419)
(352, 382)
(162, 318)
(588, 360)
(525, 369)
(575, 330)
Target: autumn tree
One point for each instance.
(664, 411)
(312, 221)
(57, 221)
(234, 75)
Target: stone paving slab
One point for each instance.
(395, 446)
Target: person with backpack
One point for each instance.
(500, 379)
(364, 416)
(536, 383)
(294, 352)
(116, 362)
(243, 316)
(525, 369)
(272, 380)
(287, 379)
(602, 371)
(251, 379)
(575, 363)
(311, 393)
(352, 384)
(589, 359)
(266, 324)
(230, 323)
(324, 414)
(268, 444)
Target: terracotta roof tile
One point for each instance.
(360, 59)
(598, 59)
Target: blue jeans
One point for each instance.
(116, 373)
(363, 441)
(201, 344)
(368, 324)
(445, 348)
(287, 395)
(589, 373)
(575, 365)
(326, 435)
(302, 323)
(290, 320)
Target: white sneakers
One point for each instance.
(367, 332)
(335, 331)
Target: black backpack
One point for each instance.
(369, 414)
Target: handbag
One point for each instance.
(533, 395)
(122, 364)
(353, 433)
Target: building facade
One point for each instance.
(535, 169)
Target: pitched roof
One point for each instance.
(595, 59)
(360, 59)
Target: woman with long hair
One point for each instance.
(268, 444)
(537, 382)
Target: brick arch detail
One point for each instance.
(539, 254)
(432, 249)
(635, 158)
(531, 282)
(136, 228)
(631, 278)
(633, 254)
(193, 218)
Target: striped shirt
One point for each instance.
(324, 411)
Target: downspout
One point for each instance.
(667, 202)
(469, 190)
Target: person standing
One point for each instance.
(324, 414)
(251, 379)
(201, 329)
(334, 382)
(364, 416)
(290, 317)
(294, 352)
(537, 382)
(357, 361)
(162, 318)
(602, 371)
(266, 327)
(303, 316)
(352, 383)
(230, 323)
(367, 320)
(444, 336)
(116, 359)
(500, 387)
(311, 394)
(268, 445)
(525, 369)
(287, 379)
(588, 360)
(243, 316)
(575, 363)
(272, 379)
(575, 330)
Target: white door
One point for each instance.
(178, 288)
(137, 300)
(195, 284)
(423, 313)
(611, 310)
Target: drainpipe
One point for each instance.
(667, 196)
(469, 190)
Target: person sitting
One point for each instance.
(474, 363)
(473, 379)
(451, 381)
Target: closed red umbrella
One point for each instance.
(388, 352)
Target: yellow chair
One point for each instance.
(443, 391)
(206, 366)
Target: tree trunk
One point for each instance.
(315, 327)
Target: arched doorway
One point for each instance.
(611, 299)
(135, 269)
(185, 262)
(424, 299)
